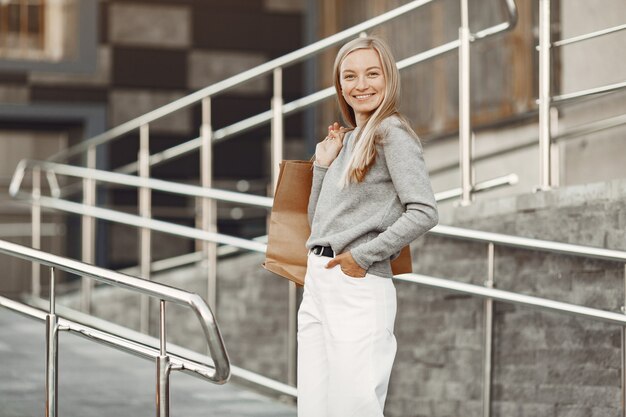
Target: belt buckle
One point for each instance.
(317, 250)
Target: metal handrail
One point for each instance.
(179, 362)
(231, 196)
(311, 99)
(509, 179)
(178, 352)
(266, 68)
(439, 230)
(145, 349)
(573, 132)
(143, 222)
(568, 97)
(490, 238)
(515, 298)
(54, 168)
(547, 100)
(258, 71)
(220, 371)
(529, 243)
(589, 35)
(133, 181)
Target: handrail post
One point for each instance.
(277, 125)
(545, 181)
(208, 207)
(88, 230)
(623, 351)
(278, 138)
(465, 129)
(145, 255)
(52, 353)
(163, 371)
(555, 162)
(488, 346)
(35, 218)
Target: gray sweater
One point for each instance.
(376, 218)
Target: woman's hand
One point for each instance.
(327, 150)
(347, 264)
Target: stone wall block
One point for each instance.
(161, 26)
(616, 238)
(601, 411)
(13, 94)
(128, 104)
(580, 195)
(209, 67)
(536, 410)
(506, 409)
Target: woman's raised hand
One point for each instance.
(327, 150)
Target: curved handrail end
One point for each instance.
(211, 330)
(18, 176)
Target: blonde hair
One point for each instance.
(364, 150)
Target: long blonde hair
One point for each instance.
(364, 150)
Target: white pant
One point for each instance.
(346, 345)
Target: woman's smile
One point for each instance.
(364, 96)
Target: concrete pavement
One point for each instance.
(99, 381)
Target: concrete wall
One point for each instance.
(545, 364)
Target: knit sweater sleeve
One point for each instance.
(318, 178)
(403, 155)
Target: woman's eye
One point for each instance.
(348, 77)
(373, 74)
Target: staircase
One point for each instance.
(501, 355)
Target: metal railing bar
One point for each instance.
(25, 309)
(431, 282)
(141, 182)
(25, 229)
(167, 264)
(502, 181)
(592, 127)
(570, 133)
(301, 103)
(197, 191)
(110, 277)
(515, 298)
(590, 35)
(529, 243)
(138, 221)
(266, 116)
(111, 339)
(161, 291)
(193, 233)
(257, 120)
(183, 354)
(268, 67)
(559, 99)
(439, 230)
(188, 258)
(194, 144)
(261, 70)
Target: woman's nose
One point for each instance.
(362, 83)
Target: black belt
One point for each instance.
(323, 251)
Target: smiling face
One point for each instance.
(362, 82)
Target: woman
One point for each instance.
(370, 197)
